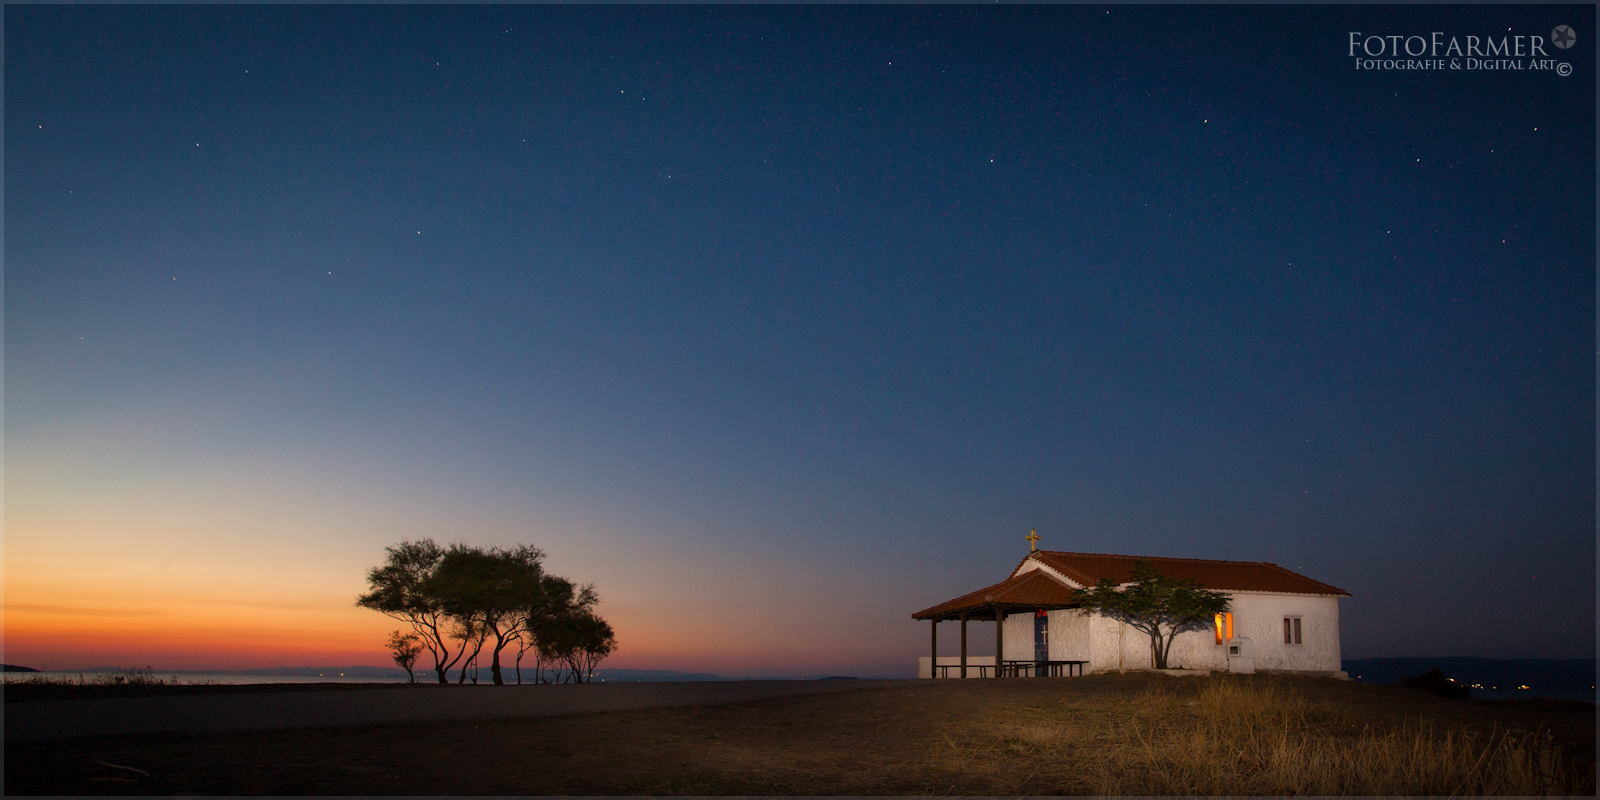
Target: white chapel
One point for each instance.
(1277, 620)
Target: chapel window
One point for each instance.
(1224, 623)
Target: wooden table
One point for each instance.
(1053, 669)
(1016, 669)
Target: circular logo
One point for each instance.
(1563, 37)
(1563, 69)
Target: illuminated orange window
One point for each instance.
(1224, 627)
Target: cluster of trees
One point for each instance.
(460, 600)
(1160, 606)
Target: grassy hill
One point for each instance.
(1134, 734)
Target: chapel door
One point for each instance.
(1041, 643)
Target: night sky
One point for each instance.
(780, 324)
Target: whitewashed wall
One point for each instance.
(1257, 616)
(1019, 636)
(1115, 646)
(1069, 635)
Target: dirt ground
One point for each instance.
(22, 691)
(871, 742)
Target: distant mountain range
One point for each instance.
(1504, 673)
(606, 675)
(655, 675)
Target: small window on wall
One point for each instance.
(1291, 630)
(1224, 627)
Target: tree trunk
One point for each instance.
(494, 661)
(1161, 646)
(440, 665)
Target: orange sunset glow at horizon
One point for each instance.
(151, 586)
(125, 549)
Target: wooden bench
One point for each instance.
(983, 670)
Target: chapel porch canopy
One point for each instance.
(1031, 590)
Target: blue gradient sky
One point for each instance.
(780, 324)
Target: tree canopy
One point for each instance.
(460, 599)
(405, 647)
(569, 635)
(1160, 606)
(407, 587)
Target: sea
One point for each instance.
(213, 678)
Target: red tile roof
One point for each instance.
(1244, 576)
(1032, 588)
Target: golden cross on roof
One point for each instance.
(1033, 541)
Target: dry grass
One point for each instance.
(1251, 736)
(1110, 734)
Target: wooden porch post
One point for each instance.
(999, 639)
(933, 664)
(963, 645)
